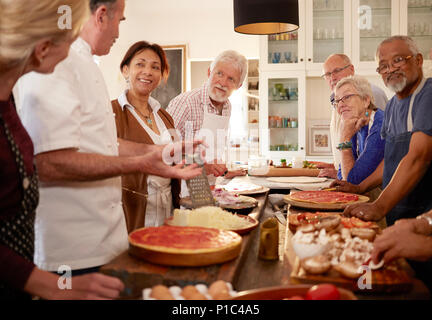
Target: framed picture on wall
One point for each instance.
(176, 84)
(319, 138)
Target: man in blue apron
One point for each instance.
(407, 129)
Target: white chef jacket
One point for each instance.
(78, 224)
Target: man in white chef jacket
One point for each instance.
(205, 111)
(80, 221)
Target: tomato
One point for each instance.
(301, 217)
(346, 222)
(360, 223)
(323, 292)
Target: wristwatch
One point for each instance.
(428, 219)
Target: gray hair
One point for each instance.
(341, 56)
(236, 59)
(95, 4)
(361, 85)
(412, 46)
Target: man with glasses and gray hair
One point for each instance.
(205, 112)
(406, 174)
(336, 67)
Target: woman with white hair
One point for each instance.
(31, 39)
(360, 145)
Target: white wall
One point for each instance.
(205, 26)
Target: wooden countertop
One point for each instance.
(138, 274)
(245, 272)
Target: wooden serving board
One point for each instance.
(323, 206)
(289, 172)
(392, 279)
(185, 259)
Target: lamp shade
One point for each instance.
(265, 16)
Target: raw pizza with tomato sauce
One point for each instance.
(305, 218)
(184, 246)
(323, 199)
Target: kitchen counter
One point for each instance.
(245, 272)
(138, 274)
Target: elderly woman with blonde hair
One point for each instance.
(360, 144)
(32, 39)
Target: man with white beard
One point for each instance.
(407, 128)
(205, 111)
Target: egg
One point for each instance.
(188, 291)
(224, 295)
(161, 292)
(218, 287)
(196, 296)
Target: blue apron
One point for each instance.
(419, 200)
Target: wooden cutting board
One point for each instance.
(198, 256)
(289, 172)
(393, 279)
(185, 259)
(323, 206)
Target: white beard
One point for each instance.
(398, 87)
(216, 95)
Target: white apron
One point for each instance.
(214, 131)
(159, 200)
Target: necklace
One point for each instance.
(147, 118)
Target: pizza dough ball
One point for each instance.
(161, 292)
(218, 287)
(189, 291)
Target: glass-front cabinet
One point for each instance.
(353, 27)
(323, 28)
(372, 22)
(416, 21)
(283, 97)
(327, 29)
(286, 50)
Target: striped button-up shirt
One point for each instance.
(187, 110)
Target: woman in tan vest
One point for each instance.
(147, 200)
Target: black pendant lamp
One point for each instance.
(265, 16)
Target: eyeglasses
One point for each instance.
(327, 75)
(344, 99)
(396, 62)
